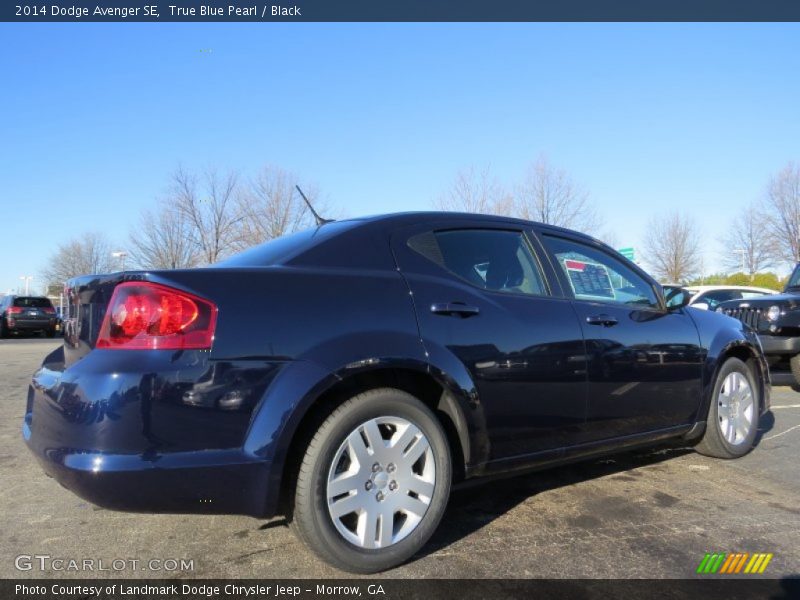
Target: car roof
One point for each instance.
(422, 217)
(699, 289)
(332, 239)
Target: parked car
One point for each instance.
(776, 319)
(28, 314)
(709, 297)
(347, 375)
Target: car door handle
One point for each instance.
(512, 364)
(604, 320)
(454, 308)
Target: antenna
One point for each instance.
(317, 218)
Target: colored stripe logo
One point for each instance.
(723, 563)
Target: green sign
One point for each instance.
(627, 253)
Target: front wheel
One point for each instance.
(374, 482)
(733, 414)
(794, 365)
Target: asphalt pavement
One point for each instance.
(642, 514)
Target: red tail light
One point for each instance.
(49, 310)
(149, 316)
(15, 310)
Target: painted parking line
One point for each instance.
(785, 406)
(772, 437)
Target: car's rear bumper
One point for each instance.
(30, 324)
(149, 433)
(183, 482)
(774, 344)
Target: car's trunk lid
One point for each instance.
(87, 299)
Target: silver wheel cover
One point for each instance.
(735, 408)
(381, 482)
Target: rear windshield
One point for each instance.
(285, 247)
(26, 301)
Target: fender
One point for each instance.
(763, 379)
(301, 383)
(275, 420)
(451, 373)
(732, 337)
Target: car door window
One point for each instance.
(491, 259)
(597, 276)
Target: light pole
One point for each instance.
(743, 252)
(27, 279)
(121, 256)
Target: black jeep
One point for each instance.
(776, 319)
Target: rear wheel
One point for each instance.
(374, 482)
(733, 414)
(51, 333)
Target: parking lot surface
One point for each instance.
(652, 513)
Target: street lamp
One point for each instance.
(121, 256)
(27, 279)
(743, 252)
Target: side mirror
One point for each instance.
(701, 305)
(677, 298)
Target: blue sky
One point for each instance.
(646, 117)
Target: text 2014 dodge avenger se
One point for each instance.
(347, 375)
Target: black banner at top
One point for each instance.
(399, 10)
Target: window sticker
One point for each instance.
(588, 279)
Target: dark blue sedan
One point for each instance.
(348, 375)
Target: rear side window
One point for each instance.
(490, 259)
(28, 302)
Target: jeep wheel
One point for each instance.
(794, 364)
(733, 413)
(374, 482)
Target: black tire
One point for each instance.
(713, 442)
(51, 333)
(3, 330)
(311, 519)
(794, 364)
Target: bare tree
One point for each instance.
(475, 192)
(746, 246)
(85, 255)
(549, 195)
(270, 207)
(783, 207)
(672, 248)
(208, 207)
(162, 240)
(610, 237)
